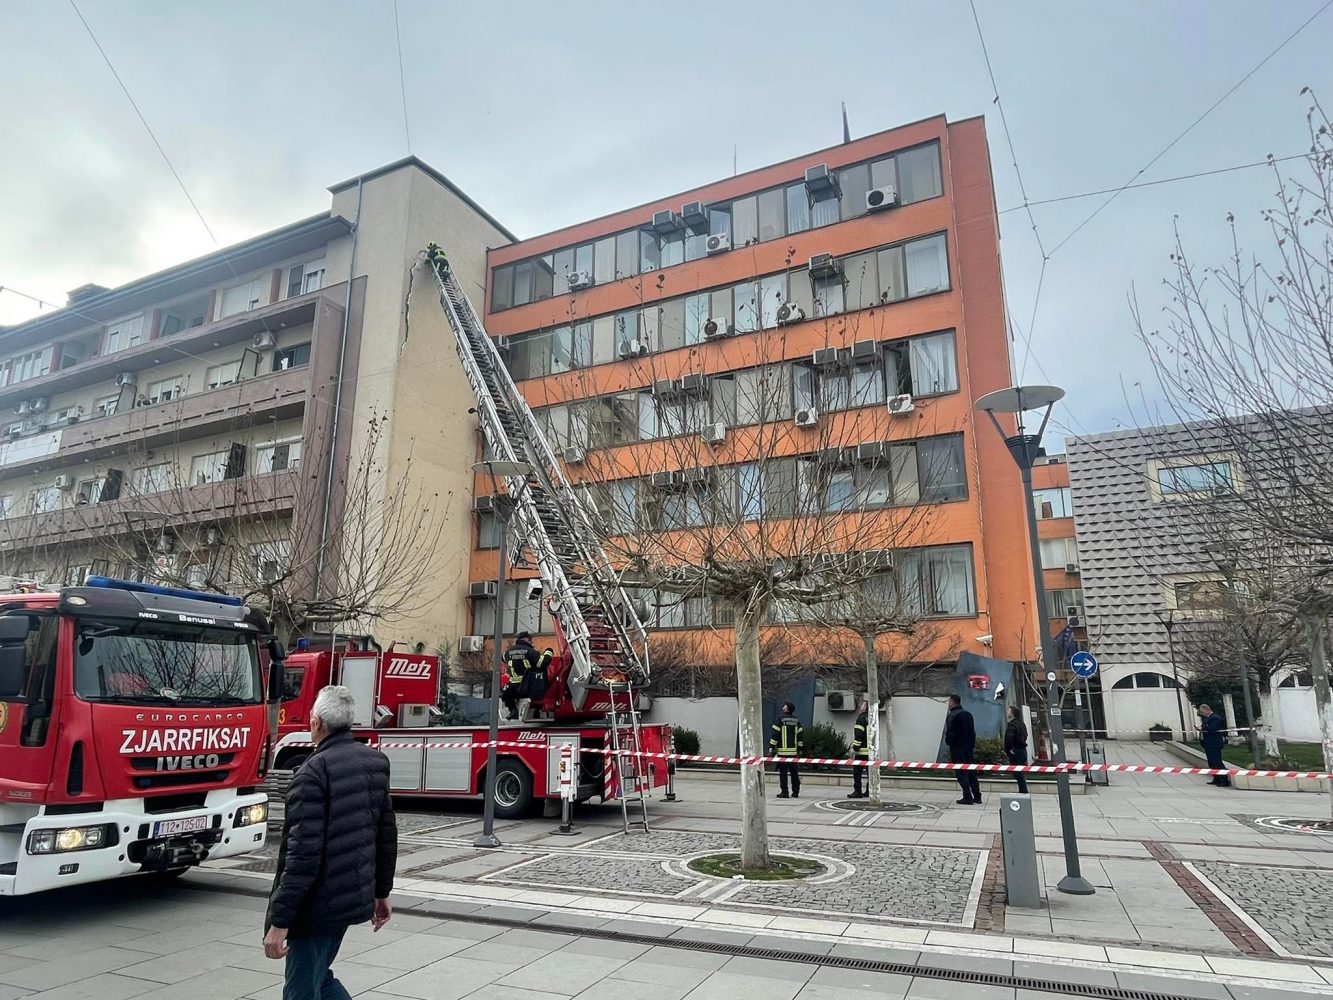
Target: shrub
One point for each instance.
(687, 741)
(822, 740)
(991, 751)
(1159, 733)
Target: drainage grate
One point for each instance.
(779, 954)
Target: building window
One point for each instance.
(927, 266)
(153, 479)
(938, 581)
(1063, 603)
(210, 468)
(163, 390)
(33, 364)
(216, 376)
(126, 333)
(296, 356)
(278, 457)
(184, 316)
(44, 499)
(270, 561)
(305, 278)
(6, 505)
(1207, 596)
(488, 530)
(1054, 502)
(1058, 553)
(1297, 679)
(1193, 479)
(242, 298)
(106, 406)
(519, 614)
(90, 491)
(1142, 681)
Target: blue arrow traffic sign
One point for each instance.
(1084, 664)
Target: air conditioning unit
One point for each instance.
(872, 451)
(881, 198)
(1217, 491)
(662, 479)
(126, 378)
(1071, 568)
(574, 455)
(808, 417)
(579, 279)
(633, 349)
(716, 329)
(714, 433)
(471, 643)
(694, 383)
(790, 312)
(866, 350)
(837, 457)
(665, 387)
(24, 408)
(825, 265)
(264, 341)
(667, 222)
(718, 243)
(879, 558)
(165, 545)
(484, 504)
(695, 213)
(501, 346)
(695, 475)
(1074, 621)
(820, 179)
(1072, 611)
(898, 405)
(64, 481)
(840, 701)
(416, 716)
(825, 357)
(39, 404)
(483, 588)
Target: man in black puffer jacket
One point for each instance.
(339, 849)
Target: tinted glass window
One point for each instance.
(798, 209)
(719, 220)
(650, 257)
(772, 212)
(744, 221)
(562, 265)
(523, 283)
(672, 329)
(855, 182)
(502, 295)
(627, 254)
(927, 266)
(604, 260)
(919, 174)
(542, 278)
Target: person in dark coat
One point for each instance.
(787, 740)
(338, 853)
(1212, 733)
(1016, 745)
(861, 753)
(519, 660)
(960, 736)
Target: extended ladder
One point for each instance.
(606, 639)
(635, 776)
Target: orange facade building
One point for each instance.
(860, 285)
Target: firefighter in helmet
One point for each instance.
(520, 658)
(435, 254)
(787, 740)
(861, 752)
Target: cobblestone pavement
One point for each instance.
(905, 883)
(1292, 906)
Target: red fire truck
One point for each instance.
(134, 731)
(397, 696)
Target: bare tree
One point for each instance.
(1245, 361)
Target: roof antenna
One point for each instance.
(734, 151)
(846, 129)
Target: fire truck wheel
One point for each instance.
(513, 790)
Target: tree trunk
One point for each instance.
(750, 696)
(872, 716)
(1317, 627)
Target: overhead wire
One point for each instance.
(402, 77)
(1192, 125)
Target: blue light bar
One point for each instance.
(108, 583)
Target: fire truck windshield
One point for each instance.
(165, 663)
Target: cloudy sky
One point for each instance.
(548, 114)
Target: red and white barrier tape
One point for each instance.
(916, 765)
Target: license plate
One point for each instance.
(169, 827)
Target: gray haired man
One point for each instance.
(339, 849)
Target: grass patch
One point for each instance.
(781, 867)
(1291, 757)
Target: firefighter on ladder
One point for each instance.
(435, 255)
(787, 740)
(521, 658)
(861, 753)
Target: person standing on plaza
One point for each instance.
(787, 739)
(1016, 745)
(861, 752)
(338, 853)
(1212, 734)
(960, 736)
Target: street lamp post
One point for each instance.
(1224, 557)
(1168, 620)
(503, 509)
(1024, 448)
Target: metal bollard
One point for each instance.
(1019, 843)
(569, 783)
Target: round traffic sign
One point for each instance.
(1083, 663)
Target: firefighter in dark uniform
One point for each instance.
(521, 658)
(533, 686)
(861, 752)
(787, 740)
(435, 255)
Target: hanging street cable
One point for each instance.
(402, 78)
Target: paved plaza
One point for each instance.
(1197, 896)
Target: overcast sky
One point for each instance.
(548, 114)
